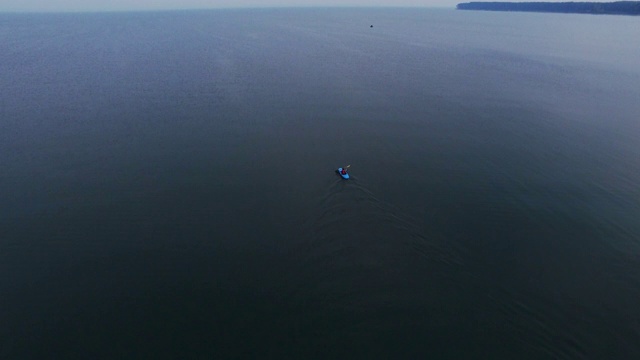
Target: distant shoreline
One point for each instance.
(604, 8)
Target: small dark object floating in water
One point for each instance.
(371, 26)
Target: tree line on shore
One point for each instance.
(617, 7)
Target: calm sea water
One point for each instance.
(167, 185)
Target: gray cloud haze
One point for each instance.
(98, 5)
(117, 5)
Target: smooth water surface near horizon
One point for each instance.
(168, 185)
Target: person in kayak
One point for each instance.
(343, 171)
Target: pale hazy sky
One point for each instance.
(115, 5)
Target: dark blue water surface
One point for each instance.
(167, 185)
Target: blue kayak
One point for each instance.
(344, 176)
